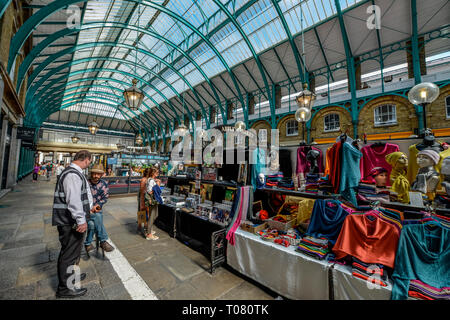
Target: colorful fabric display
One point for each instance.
(423, 254)
(314, 247)
(326, 220)
(368, 238)
(258, 166)
(422, 291)
(286, 184)
(239, 211)
(375, 156)
(374, 273)
(272, 180)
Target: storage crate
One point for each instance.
(252, 228)
(283, 226)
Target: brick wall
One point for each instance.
(281, 126)
(318, 125)
(436, 113)
(406, 116)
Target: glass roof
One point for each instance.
(258, 19)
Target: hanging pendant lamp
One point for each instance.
(93, 127)
(133, 96)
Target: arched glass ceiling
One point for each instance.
(198, 47)
(258, 19)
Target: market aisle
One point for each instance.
(29, 248)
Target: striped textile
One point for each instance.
(418, 289)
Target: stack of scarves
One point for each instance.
(272, 180)
(312, 183)
(239, 211)
(374, 273)
(369, 192)
(286, 184)
(314, 247)
(418, 289)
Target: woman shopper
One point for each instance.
(36, 171)
(151, 203)
(141, 195)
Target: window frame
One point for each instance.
(292, 134)
(324, 122)
(393, 123)
(447, 107)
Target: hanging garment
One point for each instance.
(303, 165)
(241, 214)
(327, 170)
(326, 220)
(375, 156)
(259, 157)
(368, 238)
(421, 257)
(336, 165)
(350, 173)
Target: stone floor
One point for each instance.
(29, 248)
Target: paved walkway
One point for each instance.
(139, 269)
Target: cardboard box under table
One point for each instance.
(282, 269)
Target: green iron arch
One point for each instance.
(24, 67)
(112, 80)
(59, 54)
(31, 23)
(59, 68)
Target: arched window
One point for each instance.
(291, 128)
(331, 122)
(385, 115)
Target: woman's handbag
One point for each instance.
(150, 200)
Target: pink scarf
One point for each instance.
(243, 207)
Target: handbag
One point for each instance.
(150, 200)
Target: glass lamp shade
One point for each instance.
(139, 140)
(425, 92)
(93, 127)
(182, 129)
(240, 125)
(302, 114)
(75, 138)
(133, 96)
(305, 98)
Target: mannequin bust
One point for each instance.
(312, 157)
(445, 172)
(427, 178)
(399, 182)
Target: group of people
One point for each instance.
(77, 210)
(45, 169)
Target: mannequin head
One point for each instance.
(427, 158)
(398, 161)
(378, 176)
(381, 179)
(261, 178)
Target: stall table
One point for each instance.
(166, 219)
(284, 270)
(202, 235)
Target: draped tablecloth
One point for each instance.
(348, 287)
(289, 273)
